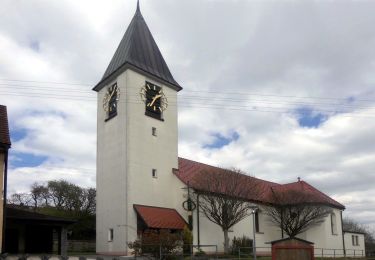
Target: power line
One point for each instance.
(48, 82)
(48, 97)
(253, 102)
(283, 96)
(210, 98)
(220, 107)
(211, 102)
(210, 92)
(31, 87)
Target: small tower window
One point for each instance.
(154, 173)
(110, 234)
(154, 131)
(333, 224)
(257, 222)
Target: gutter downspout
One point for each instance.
(342, 234)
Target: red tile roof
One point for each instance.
(313, 194)
(155, 217)
(188, 170)
(4, 127)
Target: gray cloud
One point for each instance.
(284, 49)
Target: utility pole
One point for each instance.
(253, 211)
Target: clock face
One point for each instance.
(155, 100)
(110, 100)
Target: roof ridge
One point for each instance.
(211, 166)
(313, 189)
(148, 206)
(322, 193)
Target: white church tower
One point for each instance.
(136, 143)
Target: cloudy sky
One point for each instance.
(280, 89)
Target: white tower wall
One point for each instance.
(127, 153)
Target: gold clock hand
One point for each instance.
(154, 99)
(113, 92)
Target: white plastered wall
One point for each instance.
(147, 152)
(111, 174)
(358, 250)
(127, 153)
(321, 235)
(212, 234)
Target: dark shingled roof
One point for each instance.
(4, 127)
(12, 212)
(139, 50)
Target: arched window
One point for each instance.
(333, 224)
(257, 222)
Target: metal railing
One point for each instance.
(195, 251)
(247, 252)
(337, 253)
(319, 253)
(184, 251)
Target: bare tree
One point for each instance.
(58, 191)
(59, 194)
(22, 199)
(295, 211)
(39, 195)
(224, 197)
(89, 201)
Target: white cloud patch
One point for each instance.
(246, 67)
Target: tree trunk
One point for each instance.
(226, 241)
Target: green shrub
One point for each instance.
(200, 252)
(152, 242)
(244, 243)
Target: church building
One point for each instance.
(141, 181)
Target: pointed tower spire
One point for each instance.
(138, 51)
(138, 9)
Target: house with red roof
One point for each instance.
(4, 147)
(143, 185)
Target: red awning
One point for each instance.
(155, 217)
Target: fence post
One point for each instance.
(322, 252)
(239, 253)
(160, 251)
(334, 253)
(191, 252)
